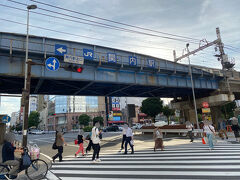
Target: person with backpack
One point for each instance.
(96, 136)
(80, 140)
(209, 131)
(90, 144)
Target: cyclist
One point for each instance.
(8, 157)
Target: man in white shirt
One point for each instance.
(189, 127)
(129, 140)
(125, 127)
(96, 142)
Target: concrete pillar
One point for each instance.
(2, 132)
(216, 114)
(189, 115)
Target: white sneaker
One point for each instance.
(94, 161)
(98, 160)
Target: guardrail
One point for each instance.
(165, 131)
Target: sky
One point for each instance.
(195, 19)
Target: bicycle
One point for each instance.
(35, 171)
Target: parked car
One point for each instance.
(37, 132)
(111, 129)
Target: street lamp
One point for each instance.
(193, 92)
(27, 80)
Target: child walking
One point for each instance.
(80, 143)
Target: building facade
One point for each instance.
(64, 111)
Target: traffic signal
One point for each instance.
(73, 68)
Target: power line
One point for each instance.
(70, 20)
(127, 30)
(116, 22)
(76, 35)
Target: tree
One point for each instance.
(228, 109)
(152, 107)
(84, 119)
(168, 112)
(33, 119)
(99, 119)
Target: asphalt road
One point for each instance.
(46, 139)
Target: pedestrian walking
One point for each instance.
(59, 146)
(189, 127)
(209, 132)
(129, 139)
(236, 128)
(158, 137)
(96, 134)
(90, 144)
(222, 127)
(124, 131)
(80, 140)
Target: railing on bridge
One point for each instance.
(45, 47)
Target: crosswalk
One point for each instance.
(192, 161)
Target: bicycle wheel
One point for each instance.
(37, 170)
(3, 171)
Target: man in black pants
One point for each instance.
(124, 136)
(96, 142)
(129, 140)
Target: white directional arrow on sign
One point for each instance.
(52, 65)
(61, 50)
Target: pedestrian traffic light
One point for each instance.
(73, 68)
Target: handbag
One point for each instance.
(26, 160)
(203, 140)
(75, 141)
(54, 146)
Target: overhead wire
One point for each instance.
(112, 21)
(67, 20)
(125, 29)
(76, 35)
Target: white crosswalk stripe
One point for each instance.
(192, 161)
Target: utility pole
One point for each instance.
(193, 92)
(226, 64)
(27, 81)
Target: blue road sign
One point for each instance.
(52, 64)
(6, 119)
(88, 54)
(151, 63)
(132, 60)
(112, 57)
(60, 49)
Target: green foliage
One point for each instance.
(84, 119)
(228, 109)
(98, 119)
(87, 128)
(168, 112)
(152, 107)
(33, 119)
(200, 118)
